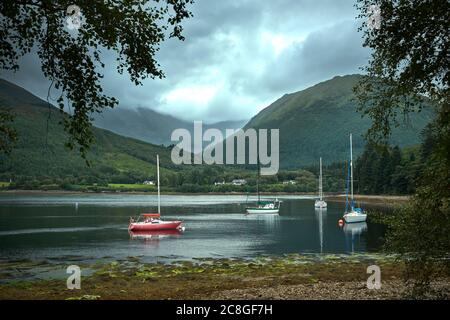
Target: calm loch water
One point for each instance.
(90, 227)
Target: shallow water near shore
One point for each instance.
(88, 228)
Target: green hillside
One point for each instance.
(312, 123)
(41, 155)
(316, 123)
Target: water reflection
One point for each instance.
(353, 232)
(321, 216)
(270, 222)
(152, 236)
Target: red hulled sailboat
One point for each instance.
(152, 221)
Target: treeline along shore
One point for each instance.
(397, 179)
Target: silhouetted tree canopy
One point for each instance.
(70, 43)
(409, 68)
(409, 65)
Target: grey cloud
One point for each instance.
(224, 48)
(325, 53)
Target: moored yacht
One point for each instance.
(152, 221)
(352, 214)
(320, 203)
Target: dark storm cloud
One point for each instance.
(238, 57)
(325, 53)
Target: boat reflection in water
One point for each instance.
(321, 215)
(155, 235)
(270, 222)
(353, 232)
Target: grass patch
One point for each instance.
(131, 187)
(4, 184)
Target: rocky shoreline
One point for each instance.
(329, 290)
(286, 277)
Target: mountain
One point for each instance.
(151, 126)
(40, 150)
(316, 122)
(313, 123)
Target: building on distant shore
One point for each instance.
(290, 182)
(149, 183)
(239, 182)
(219, 183)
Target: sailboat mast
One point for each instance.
(320, 181)
(351, 167)
(157, 173)
(257, 184)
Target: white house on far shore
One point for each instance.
(239, 182)
(149, 183)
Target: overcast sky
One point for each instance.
(239, 56)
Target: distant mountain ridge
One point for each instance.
(313, 123)
(317, 121)
(40, 153)
(151, 126)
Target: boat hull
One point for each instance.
(262, 211)
(355, 217)
(320, 204)
(172, 225)
(155, 234)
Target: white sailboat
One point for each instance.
(264, 206)
(269, 206)
(320, 203)
(352, 214)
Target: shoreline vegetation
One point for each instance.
(290, 276)
(397, 178)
